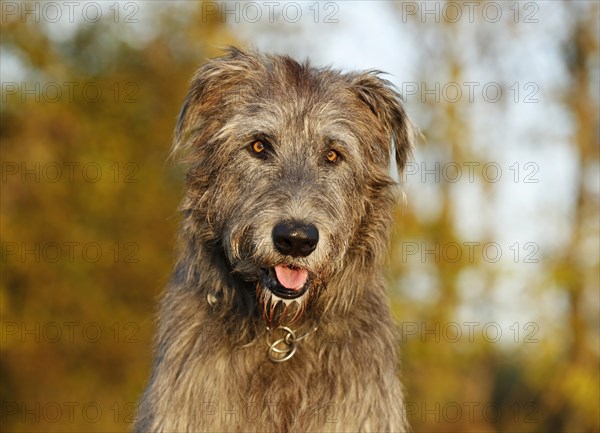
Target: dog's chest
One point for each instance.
(300, 394)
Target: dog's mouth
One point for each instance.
(286, 281)
(283, 293)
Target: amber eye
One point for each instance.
(332, 156)
(258, 147)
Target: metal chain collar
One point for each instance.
(285, 347)
(281, 349)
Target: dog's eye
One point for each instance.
(258, 147)
(332, 156)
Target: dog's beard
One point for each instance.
(279, 312)
(286, 289)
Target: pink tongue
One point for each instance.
(292, 279)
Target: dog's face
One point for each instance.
(289, 171)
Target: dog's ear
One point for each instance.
(212, 89)
(385, 102)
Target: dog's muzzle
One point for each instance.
(292, 239)
(284, 285)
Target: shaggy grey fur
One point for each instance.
(211, 370)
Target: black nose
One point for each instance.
(296, 239)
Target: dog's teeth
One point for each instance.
(275, 299)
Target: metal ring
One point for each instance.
(290, 334)
(287, 346)
(289, 340)
(273, 349)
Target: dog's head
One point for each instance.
(289, 174)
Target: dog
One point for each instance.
(276, 318)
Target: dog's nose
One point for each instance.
(296, 239)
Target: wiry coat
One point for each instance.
(211, 370)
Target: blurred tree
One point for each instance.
(89, 210)
(476, 385)
(574, 394)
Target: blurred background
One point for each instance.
(494, 265)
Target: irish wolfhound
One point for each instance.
(276, 318)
